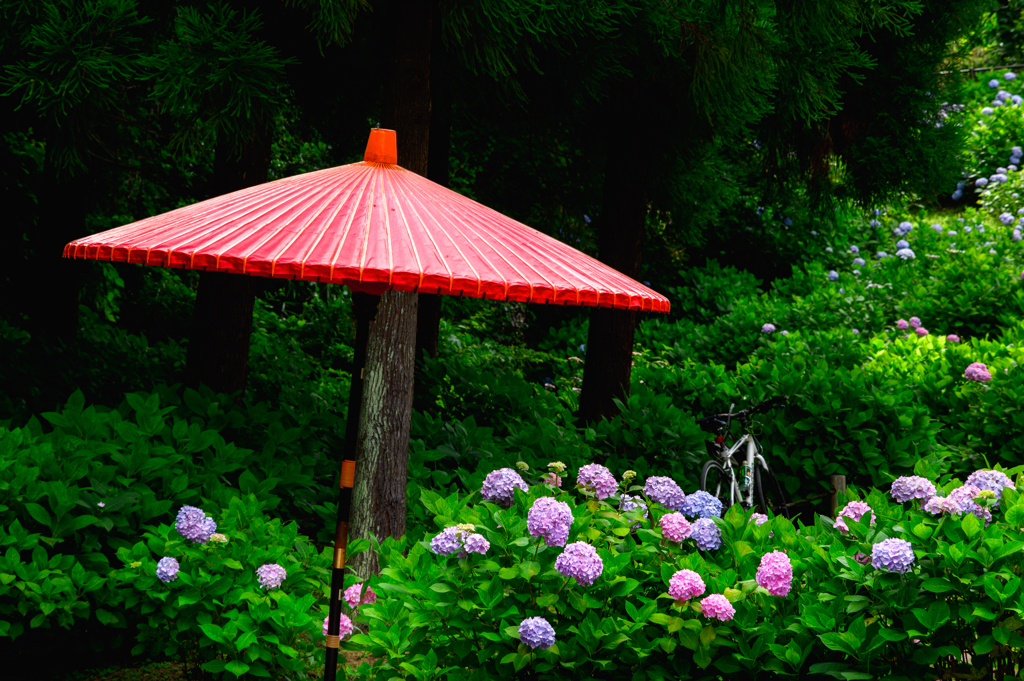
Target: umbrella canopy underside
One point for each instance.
(373, 227)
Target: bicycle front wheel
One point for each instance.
(716, 480)
(769, 492)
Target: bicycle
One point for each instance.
(756, 479)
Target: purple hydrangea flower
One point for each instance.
(686, 584)
(474, 543)
(768, 328)
(674, 527)
(344, 626)
(706, 534)
(758, 518)
(537, 632)
(167, 570)
(911, 487)
(664, 491)
(965, 497)
(597, 479)
(833, 276)
(550, 519)
(894, 555)
(921, 331)
(446, 542)
(953, 338)
(990, 480)
(937, 505)
(853, 510)
(192, 523)
(786, 333)
(352, 595)
(270, 575)
(854, 249)
(977, 371)
(775, 573)
(902, 324)
(915, 322)
(717, 606)
(858, 262)
(580, 561)
(500, 485)
(702, 505)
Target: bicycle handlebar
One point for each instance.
(743, 415)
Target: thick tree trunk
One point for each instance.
(382, 449)
(218, 348)
(620, 228)
(378, 495)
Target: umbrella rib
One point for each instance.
(333, 190)
(366, 178)
(374, 180)
(412, 200)
(352, 178)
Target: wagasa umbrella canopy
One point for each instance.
(372, 226)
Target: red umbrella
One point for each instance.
(372, 226)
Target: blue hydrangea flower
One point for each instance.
(875, 223)
(937, 227)
(987, 111)
(894, 555)
(980, 182)
(858, 262)
(902, 243)
(1017, 151)
(665, 491)
(833, 276)
(854, 249)
(1010, 75)
(580, 561)
(706, 534)
(768, 328)
(955, 196)
(537, 632)
(881, 254)
(167, 570)
(192, 523)
(905, 253)
(993, 83)
(702, 505)
(1005, 218)
(906, 226)
(628, 502)
(990, 480)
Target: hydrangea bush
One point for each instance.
(905, 596)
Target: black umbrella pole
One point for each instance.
(365, 309)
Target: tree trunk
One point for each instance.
(218, 348)
(620, 228)
(378, 495)
(429, 312)
(382, 449)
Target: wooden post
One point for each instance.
(838, 485)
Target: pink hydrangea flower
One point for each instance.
(717, 606)
(921, 331)
(853, 510)
(915, 322)
(552, 479)
(550, 519)
(344, 626)
(685, 584)
(352, 595)
(902, 325)
(952, 338)
(977, 371)
(775, 573)
(674, 527)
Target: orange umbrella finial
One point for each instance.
(381, 147)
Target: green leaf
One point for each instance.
(214, 632)
(707, 634)
(245, 640)
(233, 564)
(237, 668)
(40, 514)
(508, 573)
(937, 585)
(970, 525)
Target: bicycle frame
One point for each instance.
(753, 455)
